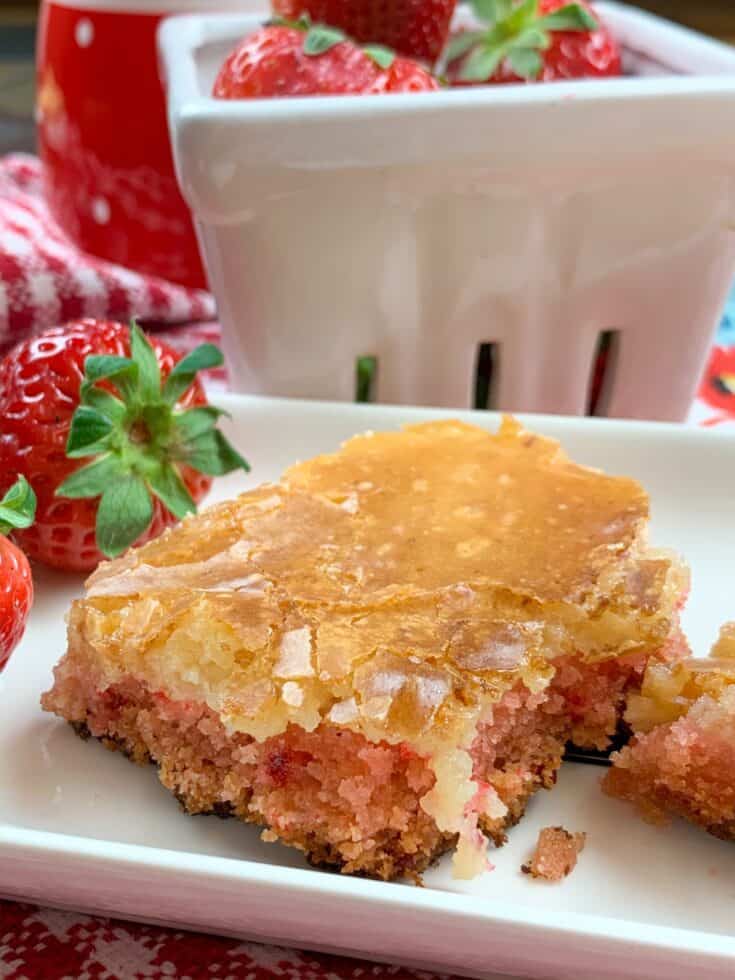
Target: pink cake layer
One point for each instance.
(343, 800)
(685, 768)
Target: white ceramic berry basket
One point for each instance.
(416, 228)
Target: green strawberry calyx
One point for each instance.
(129, 420)
(514, 31)
(17, 507)
(320, 38)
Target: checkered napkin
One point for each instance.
(45, 279)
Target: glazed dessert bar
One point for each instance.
(681, 761)
(381, 657)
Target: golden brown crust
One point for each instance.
(391, 861)
(465, 500)
(668, 691)
(417, 511)
(403, 582)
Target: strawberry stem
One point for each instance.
(382, 56)
(320, 39)
(516, 31)
(18, 507)
(137, 439)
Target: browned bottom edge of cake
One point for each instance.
(658, 802)
(682, 769)
(344, 801)
(320, 853)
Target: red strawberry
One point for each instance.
(533, 41)
(113, 432)
(415, 28)
(295, 59)
(16, 585)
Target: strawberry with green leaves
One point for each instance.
(17, 509)
(291, 59)
(532, 41)
(115, 435)
(414, 28)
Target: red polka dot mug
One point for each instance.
(103, 136)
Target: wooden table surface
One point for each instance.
(713, 16)
(716, 17)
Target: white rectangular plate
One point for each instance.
(81, 827)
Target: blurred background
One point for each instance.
(18, 28)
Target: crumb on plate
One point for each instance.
(556, 854)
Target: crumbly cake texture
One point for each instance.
(383, 655)
(555, 855)
(681, 761)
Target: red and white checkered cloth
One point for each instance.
(44, 944)
(46, 280)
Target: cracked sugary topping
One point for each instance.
(669, 690)
(419, 511)
(447, 502)
(416, 574)
(398, 587)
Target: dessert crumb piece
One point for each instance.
(556, 854)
